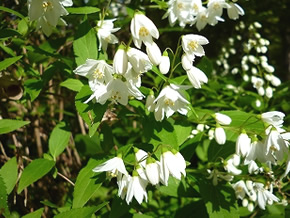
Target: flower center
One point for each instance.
(46, 5)
(195, 7)
(180, 6)
(98, 74)
(116, 95)
(193, 45)
(168, 102)
(143, 31)
(216, 6)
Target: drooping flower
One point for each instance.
(139, 60)
(231, 168)
(141, 156)
(143, 29)
(47, 13)
(150, 103)
(222, 119)
(264, 196)
(243, 144)
(152, 170)
(168, 101)
(114, 166)
(105, 28)
(196, 77)
(234, 10)
(164, 65)
(240, 189)
(154, 53)
(173, 164)
(136, 188)
(120, 61)
(275, 118)
(97, 71)
(192, 45)
(123, 181)
(215, 11)
(220, 135)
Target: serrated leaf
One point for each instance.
(7, 125)
(35, 214)
(86, 185)
(33, 87)
(72, 84)
(85, 43)
(83, 10)
(34, 171)
(9, 173)
(58, 139)
(220, 200)
(8, 62)
(3, 198)
(85, 212)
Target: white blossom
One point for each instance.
(192, 45)
(136, 188)
(222, 119)
(220, 135)
(152, 170)
(164, 65)
(105, 29)
(143, 29)
(154, 53)
(196, 77)
(234, 10)
(120, 61)
(274, 118)
(113, 166)
(139, 60)
(243, 144)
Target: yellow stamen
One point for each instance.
(143, 31)
(193, 45)
(168, 102)
(97, 74)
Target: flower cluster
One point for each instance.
(259, 155)
(192, 12)
(254, 66)
(147, 170)
(48, 13)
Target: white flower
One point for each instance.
(269, 92)
(47, 13)
(257, 151)
(196, 77)
(173, 164)
(264, 196)
(220, 135)
(136, 188)
(139, 60)
(275, 81)
(141, 156)
(230, 167)
(243, 144)
(116, 90)
(181, 10)
(154, 53)
(150, 103)
(192, 45)
(105, 29)
(123, 181)
(234, 10)
(113, 166)
(168, 101)
(186, 62)
(164, 65)
(201, 18)
(97, 71)
(132, 76)
(143, 29)
(215, 11)
(253, 167)
(240, 189)
(120, 61)
(274, 118)
(275, 144)
(222, 119)
(152, 170)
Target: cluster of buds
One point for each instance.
(147, 171)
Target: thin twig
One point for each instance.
(65, 178)
(3, 151)
(82, 126)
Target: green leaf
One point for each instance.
(8, 62)
(34, 171)
(58, 139)
(22, 27)
(11, 11)
(85, 43)
(7, 125)
(72, 84)
(86, 185)
(85, 212)
(35, 214)
(220, 200)
(33, 87)
(6, 33)
(83, 10)
(3, 198)
(9, 173)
